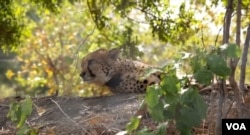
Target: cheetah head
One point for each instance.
(98, 67)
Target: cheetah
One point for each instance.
(106, 68)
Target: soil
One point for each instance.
(108, 115)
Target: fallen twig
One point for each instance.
(68, 116)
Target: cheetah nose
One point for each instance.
(82, 74)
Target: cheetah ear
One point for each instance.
(114, 53)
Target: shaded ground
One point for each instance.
(105, 115)
(74, 115)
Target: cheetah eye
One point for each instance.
(91, 73)
(89, 69)
(91, 61)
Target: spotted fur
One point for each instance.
(105, 67)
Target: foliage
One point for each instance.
(177, 99)
(50, 46)
(134, 123)
(158, 14)
(6, 64)
(12, 23)
(54, 43)
(10, 26)
(172, 101)
(51, 55)
(18, 113)
(44, 69)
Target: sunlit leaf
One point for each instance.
(231, 50)
(9, 74)
(26, 109)
(170, 86)
(27, 106)
(133, 124)
(152, 96)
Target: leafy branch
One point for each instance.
(18, 113)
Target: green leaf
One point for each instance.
(170, 111)
(191, 111)
(152, 96)
(33, 132)
(203, 76)
(157, 112)
(133, 124)
(26, 110)
(197, 62)
(22, 120)
(14, 107)
(170, 86)
(161, 129)
(218, 65)
(24, 130)
(154, 104)
(231, 50)
(27, 106)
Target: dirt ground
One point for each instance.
(106, 115)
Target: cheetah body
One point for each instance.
(105, 67)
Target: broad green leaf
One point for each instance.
(26, 110)
(170, 111)
(155, 107)
(157, 112)
(231, 50)
(192, 96)
(204, 76)
(133, 124)
(197, 63)
(152, 96)
(27, 106)
(191, 111)
(170, 86)
(218, 65)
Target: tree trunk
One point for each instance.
(226, 33)
(234, 62)
(244, 61)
